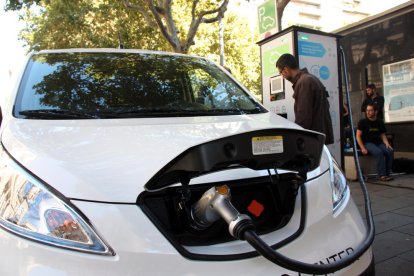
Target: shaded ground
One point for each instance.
(393, 209)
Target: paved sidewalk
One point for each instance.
(393, 208)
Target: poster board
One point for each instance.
(319, 54)
(316, 51)
(398, 83)
(277, 101)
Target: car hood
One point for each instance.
(111, 160)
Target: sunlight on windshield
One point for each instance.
(128, 83)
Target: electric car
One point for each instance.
(130, 162)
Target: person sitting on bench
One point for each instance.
(371, 139)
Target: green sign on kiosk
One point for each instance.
(267, 16)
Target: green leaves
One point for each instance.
(14, 5)
(55, 24)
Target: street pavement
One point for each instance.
(393, 208)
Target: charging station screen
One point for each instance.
(276, 85)
(277, 88)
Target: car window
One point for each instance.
(108, 85)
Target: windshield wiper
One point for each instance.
(130, 113)
(57, 114)
(158, 112)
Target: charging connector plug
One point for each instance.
(215, 203)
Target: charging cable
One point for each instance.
(216, 203)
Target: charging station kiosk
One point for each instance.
(319, 53)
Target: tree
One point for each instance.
(86, 24)
(58, 24)
(161, 16)
(14, 5)
(157, 14)
(242, 52)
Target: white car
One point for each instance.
(127, 162)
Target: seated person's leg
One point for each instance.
(389, 158)
(376, 151)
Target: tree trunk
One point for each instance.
(158, 14)
(280, 6)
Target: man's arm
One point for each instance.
(385, 141)
(303, 104)
(360, 142)
(346, 111)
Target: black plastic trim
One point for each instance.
(100, 201)
(302, 152)
(295, 28)
(205, 257)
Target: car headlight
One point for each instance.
(34, 210)
(338, 182)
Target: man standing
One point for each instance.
(311, 104)
(371, 138)
(373, 98)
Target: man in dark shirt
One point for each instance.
(311, 103)
(371, 138)
(372, 97)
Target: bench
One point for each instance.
(367, 163)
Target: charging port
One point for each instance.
(270, 206)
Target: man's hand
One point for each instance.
(360, 142)
(364, 151)
(385, 141)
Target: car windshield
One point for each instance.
(113, 85)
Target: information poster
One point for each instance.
(277, 93)
(398, 81)
(318, 53)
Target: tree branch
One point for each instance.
(197, 20)
(280, 6)
(193, 9)
(172, 29)
(163, 19)
(154, 10)
(220, 13)
(160, 10)
(194, 21)
(141, 10)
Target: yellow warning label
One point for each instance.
(267, 145)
